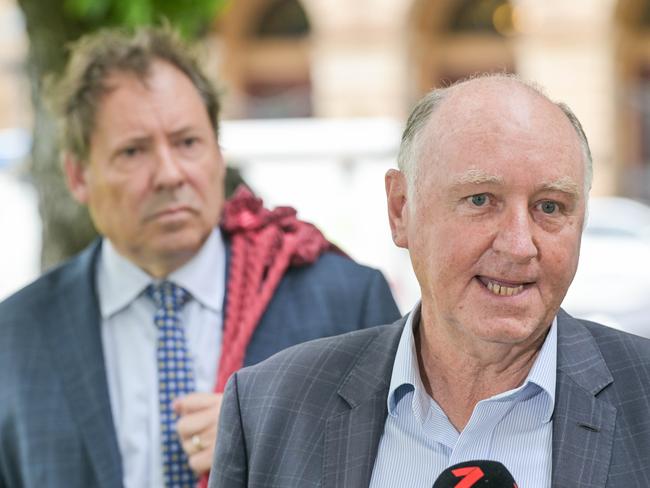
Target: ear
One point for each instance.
(76, 177)
(396, 195)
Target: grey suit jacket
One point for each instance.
(56, 426)
(313, 415)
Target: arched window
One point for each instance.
(483, 16)
(282, 19)
(456, 38)
(267, 59)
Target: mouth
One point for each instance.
(503, 288)
(170, 212)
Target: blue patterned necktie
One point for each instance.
(175, 378)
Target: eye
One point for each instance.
(187, 142)
(479, 200)
(549, 207)
(130, 151)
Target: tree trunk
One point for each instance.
(66, 226)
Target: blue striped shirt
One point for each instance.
(514, 427)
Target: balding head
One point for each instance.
(491, 210)
(472, 102)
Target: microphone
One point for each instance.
(476, 474)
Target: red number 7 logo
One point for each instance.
(470, 475)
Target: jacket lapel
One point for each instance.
(583, 425)
(76, 347)
(352, 435)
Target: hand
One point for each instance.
(198, 415)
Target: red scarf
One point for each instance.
(264, 244)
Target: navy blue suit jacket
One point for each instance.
(56, 427)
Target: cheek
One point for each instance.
(212, 184)
(560, 261)
(208, 184)
(435, 256)
(123, 202)
(207, 175)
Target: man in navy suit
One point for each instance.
(81, 402)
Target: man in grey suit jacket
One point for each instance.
(81, 359)
(490, 201)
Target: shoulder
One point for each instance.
(603, 360)
(577, 335)
(322, 364)
(620, 349)
(327, 350)
(339, 291)
(337, 265)
(61, 281)
(340, 275)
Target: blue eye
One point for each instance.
(479, 200)
(549, 207)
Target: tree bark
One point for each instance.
(66, 225)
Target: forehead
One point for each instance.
(163, 94)
(501, 126)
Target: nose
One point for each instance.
(168, 172)
(515, 236)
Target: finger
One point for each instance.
(192, 423)
(201, 462)
(194, 402)
(201, 441)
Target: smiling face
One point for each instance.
(494, 222)
(154, 180)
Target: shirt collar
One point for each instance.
(119, 281)
(406, 374)
(541, 377)
(204, 276)
(544, 370)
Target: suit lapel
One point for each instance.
(583, 425)
(352, 435)
(77, 352)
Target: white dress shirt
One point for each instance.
(129, 339)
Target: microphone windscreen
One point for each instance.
(476, 474)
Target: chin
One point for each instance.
(180, 243)
(510, 330)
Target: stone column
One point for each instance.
(568, 47)
(359, 64)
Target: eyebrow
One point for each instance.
(182, 130)
(565, 185)
(476, 176)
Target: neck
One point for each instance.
(162, 268)
(458, 375)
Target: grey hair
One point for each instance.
(410, 145)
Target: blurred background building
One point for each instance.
(315, 94)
